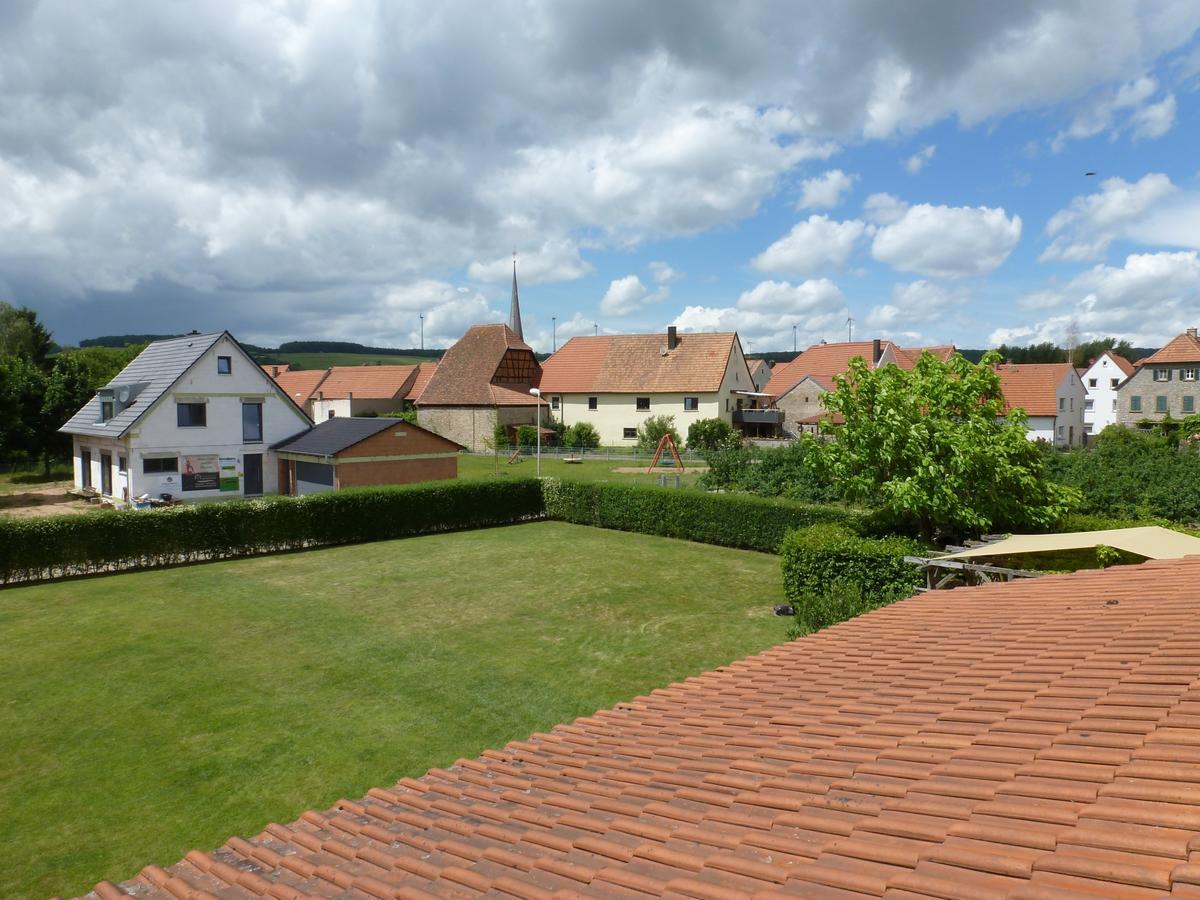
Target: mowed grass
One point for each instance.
(146, 714)
(484, 467)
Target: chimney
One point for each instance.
(1191, 332)
(673, 337)
(875, 352)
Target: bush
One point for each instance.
(786, 471)
(652, 430)
(527, 436)
(712, 434)
(49, 547)
(816, 557)
(751, 523)
(842, 599)
(581, 436)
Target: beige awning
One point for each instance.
(1149, 541)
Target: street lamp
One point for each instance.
(538, 396)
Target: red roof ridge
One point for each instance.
(1028, 738)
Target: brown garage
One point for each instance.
(354, 452)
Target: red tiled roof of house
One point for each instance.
(424, 372)
(1183, 348)
(368, 382)
(301, 385)
(1032, 386)
(1039, 738)
(633, 363)
(906, 357)
(488, 366)
(756, 365)
(276, 369)
(1122, 363)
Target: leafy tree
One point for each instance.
(526, 436)
(933, 447)
(21, 334)
(1047, 352)
(581, 436)
(22, 393)
(68, 388)
(652, 430)
(786, 471)
(712, 434)
(1089, 350)
(103, 363)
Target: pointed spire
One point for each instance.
(514, 312)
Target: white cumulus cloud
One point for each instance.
(920, 159)
(816, 243)
(947, 241)
(628, 295)
(825, 191)
(766, 313)
(1084, 230)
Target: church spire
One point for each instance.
(514, 312)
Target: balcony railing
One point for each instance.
(757, 416)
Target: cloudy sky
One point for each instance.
(323, 169)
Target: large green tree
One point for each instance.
(22, 392)
(934, 447)
(22, 334)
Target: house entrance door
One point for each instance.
(252, 485)
(85, 468)
(106, 474)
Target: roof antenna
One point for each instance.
(849, 329)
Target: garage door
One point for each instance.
(313, 478)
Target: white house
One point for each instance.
(1101, 380)
(616, 382)
(193, 417)
(1052, 395)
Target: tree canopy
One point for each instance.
(934, 447)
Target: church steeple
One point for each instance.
(514, 312)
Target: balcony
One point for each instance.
(757, 416)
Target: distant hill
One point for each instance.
(123, 340)
(301, 354)
(1045, 353)
(774, 357)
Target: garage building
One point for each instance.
(353, 452)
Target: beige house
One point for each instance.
(616, 382)
(798, 387)
(1164, 384)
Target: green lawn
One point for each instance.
(471, 466)
(146, 714)
(23, 480)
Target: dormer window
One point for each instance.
(224, 365)
(106, 410)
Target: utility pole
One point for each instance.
(422, 331)
(554, 333)
(793, 338)
(595, 329)
(849, 329)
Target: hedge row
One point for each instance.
(730, 520)
(815, 558)
(51, 547)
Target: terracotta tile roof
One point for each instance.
(368, 382)
(1122, 363)
(425, 371)
(274, 369)
(820, 362)
(488, 366)
(1183, 348)
(636, 363)
(301, 385)
(1032, 386)
(1033, 739)
(756, 365)
(906, 357)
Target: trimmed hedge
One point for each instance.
(39, 548)
(816, 557)
(730, 520)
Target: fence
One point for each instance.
(616, 454)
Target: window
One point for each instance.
(643, 403)
(1187, 374)
(630, 434)
(224, 365)
(106, 410)
(122, 464)
(252, 423)
(1062, 430)
(726, 404)
(331, 414)
(1062, 403)
(154, 465)
(1113, 382)
(191, 415)
(1135, 404)
(555, 402)
(1160, 404)
(691, 404)
(1091, 382)
(1072, 404)
(1087, 404)
(1189, 404)
(1162, 374)
(591, 402)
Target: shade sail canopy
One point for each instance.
(1149, 541)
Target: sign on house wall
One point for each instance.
(229, 474)
(201, 473)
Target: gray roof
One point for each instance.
(335, 435)
(149, 376)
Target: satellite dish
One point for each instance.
(123, 395)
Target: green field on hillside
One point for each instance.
(150, 713)
(325, 360)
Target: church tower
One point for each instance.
(514, 312)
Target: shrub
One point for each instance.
(786, 471)
(817, 556)
(652, 430)
(752, 523)
(581, 436)
(56, 546)
(527, 436)
(712, 434)
(840, 600)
